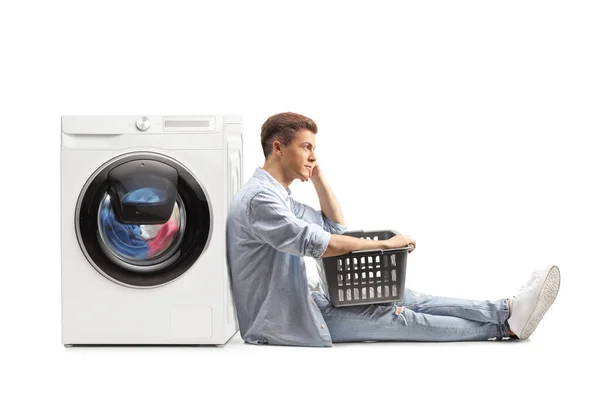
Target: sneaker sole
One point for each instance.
(545, 300)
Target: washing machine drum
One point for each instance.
(142, 220)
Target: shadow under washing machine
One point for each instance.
(144, 204)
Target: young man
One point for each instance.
(268, 233)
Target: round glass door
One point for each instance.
(142, 219)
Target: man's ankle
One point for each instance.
(510, 333)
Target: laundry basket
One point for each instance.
(365, 276)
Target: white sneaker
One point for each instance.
(533, 300)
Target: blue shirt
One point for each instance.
(268, 234)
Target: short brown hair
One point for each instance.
(283, 127)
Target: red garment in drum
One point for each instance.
(163, 238)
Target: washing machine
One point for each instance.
(144, 203)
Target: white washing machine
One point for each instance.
(144, 203)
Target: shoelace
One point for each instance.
(535, 276)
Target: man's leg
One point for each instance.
(383, 322)
(475, 310)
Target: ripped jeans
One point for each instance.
(419, 317)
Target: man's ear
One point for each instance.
(277, 146)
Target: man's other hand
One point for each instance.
(399, 241)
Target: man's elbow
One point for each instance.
(339, 221)
(335, 247)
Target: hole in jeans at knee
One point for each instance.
(399, 313)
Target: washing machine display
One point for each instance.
(142, 220)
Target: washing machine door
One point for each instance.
(142, 219)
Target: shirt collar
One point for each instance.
(264, 176)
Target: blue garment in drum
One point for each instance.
(144, 195)
(124, 238)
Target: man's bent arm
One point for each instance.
(329, 204)
(341, 244)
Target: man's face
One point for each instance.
(299, 156)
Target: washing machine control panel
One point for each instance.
(177, 124)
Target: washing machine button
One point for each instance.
(142, 123)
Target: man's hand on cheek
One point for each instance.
(315, 172)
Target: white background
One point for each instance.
(471, 125)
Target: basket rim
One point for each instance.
(373, 252)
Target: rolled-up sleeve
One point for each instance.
(272, 221)
(309, 214)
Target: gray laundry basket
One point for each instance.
(365, 276)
